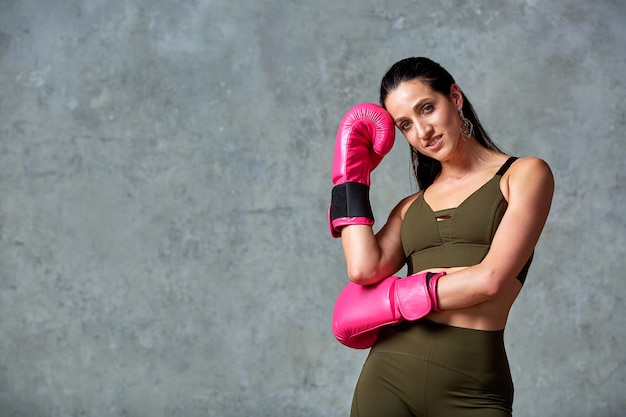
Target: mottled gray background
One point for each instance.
(165, 176)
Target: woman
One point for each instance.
(475, 221)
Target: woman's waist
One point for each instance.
(440, 342)
(472, 318)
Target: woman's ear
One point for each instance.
(456, 95)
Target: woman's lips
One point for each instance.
(435, 143)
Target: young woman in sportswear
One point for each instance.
(467, 236)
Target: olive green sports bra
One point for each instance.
(459, 236)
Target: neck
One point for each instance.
(469, 158)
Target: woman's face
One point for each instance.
(428, 120)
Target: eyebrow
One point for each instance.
(414, 108)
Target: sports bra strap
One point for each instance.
(504, 168)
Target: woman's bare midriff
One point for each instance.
(490, 315)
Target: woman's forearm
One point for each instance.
(362, 253)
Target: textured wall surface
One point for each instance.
(165, 176)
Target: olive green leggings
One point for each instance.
(419, 369)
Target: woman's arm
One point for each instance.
(372, 257)
(529, 188)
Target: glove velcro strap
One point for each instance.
(350, 199)
(412, 297)
(431, 282)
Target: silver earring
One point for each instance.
(467, 128)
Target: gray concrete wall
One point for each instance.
(165, 175)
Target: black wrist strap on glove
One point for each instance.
(350, 199)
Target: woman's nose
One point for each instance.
(423, 130)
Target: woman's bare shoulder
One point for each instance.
(530, 173)
(530, 163)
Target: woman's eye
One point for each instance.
(404, 126)
(428, 108)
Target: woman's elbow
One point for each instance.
(493, 284)
(362, 276)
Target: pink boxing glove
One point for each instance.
(360, 311)
(365, 135)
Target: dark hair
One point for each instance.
(438, 79)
